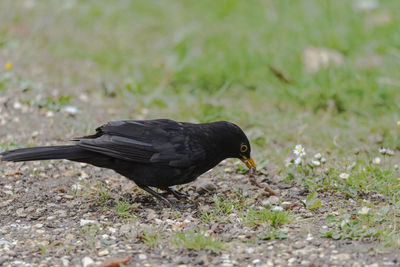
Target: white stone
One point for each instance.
(86, 261)
(71, 110)
(17, 105)
(273, 200)
(103, 253)
(65, 261)
(84, 222)
(142, 256)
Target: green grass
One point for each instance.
(103, 193)
(196, 241)
(223, 206)
(151, 236)
(90, 233)
(209, 60)
(265, 216)
(268, 220)
(9, 146)
(124, 209)
(363, 176)
(374, 224)
(43, 249)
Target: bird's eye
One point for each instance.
(243, 148)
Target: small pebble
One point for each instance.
(84, 222)
(17, 105)
(273, 200)
(205, 187)
(103, 253)
(86, 261)
(142, 256)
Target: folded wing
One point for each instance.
(159, 142)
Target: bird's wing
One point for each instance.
(163, 142)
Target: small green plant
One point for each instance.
(74, 191)
(196, 240)
(54, 104)
(123, 208)
(9, 146)
(103, 193)
(43, 249)
(312, 202)
(151, 239)
(273, 233)
(151, 236)
(348, 228)
(90, 232)
(240, 168)
(222, 207)
(273, 218)
(365, 224)
(205, 216)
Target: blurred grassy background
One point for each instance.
(211, 60)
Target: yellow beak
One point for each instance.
(249, 162)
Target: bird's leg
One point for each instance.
(176, 193)
(156, 195)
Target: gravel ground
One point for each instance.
(59, 213)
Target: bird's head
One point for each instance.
(236, 142)
(244, 155)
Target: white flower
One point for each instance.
(323, 160)
(389, 152)
(396, 166)
(298, 161)
(299, 150)
(363, 211)
(344, 175)
(318, 156)
(277, 208)
(377, 160)
(382, 150)
(316, 162)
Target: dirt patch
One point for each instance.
(62, 213)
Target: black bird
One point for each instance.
(152, 153)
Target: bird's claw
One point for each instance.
(176, 193)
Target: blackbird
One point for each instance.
(152, 153)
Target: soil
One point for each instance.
(60, 213)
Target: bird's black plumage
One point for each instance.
(152, 153)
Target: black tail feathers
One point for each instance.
(71, 152)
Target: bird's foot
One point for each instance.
(157, 195)
(176, 193)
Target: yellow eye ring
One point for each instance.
(243, 148)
